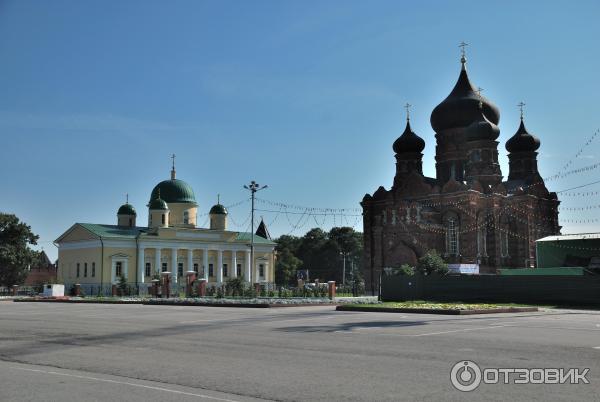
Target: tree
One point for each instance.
(286, 266)
(15, 254)
(432, 263)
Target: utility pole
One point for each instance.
(253, 187)
(343, 254)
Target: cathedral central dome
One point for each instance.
(174, 191)
(461, 107)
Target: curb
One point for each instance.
(438, 311)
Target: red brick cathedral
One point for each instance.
(467, 212)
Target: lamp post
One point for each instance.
(253, 187)
(343, 254)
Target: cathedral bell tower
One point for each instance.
(408, 148)
(482, 152)
(522, 154)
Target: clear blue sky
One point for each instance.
(305, 96)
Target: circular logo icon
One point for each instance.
(465, 375)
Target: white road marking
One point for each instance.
(123, 383)
(458, 330)
(596, 347)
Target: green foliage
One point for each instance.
(432, 263)
(122, 286)
(235, 287)
(15, 254)
(404, 270)
(319, 252)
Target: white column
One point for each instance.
(247, 270)
(157, 263)
(126, 270)
(173, 265)
(233, 273)
(219, 267)
(141, 264)
(205, 262)
(256, 271)
(190, 260)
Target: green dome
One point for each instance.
(158, 203)
(126, 209)
(174, 191)
(218, 210)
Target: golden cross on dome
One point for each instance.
(407, 107)
(479, 90)
(218, 198)
(463, 53)
(520, 105)
(127, 198)
(173, 158)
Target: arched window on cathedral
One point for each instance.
(452, 228)
(186, 217)
(481, 235)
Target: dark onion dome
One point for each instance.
(126, 209)
(522, 141)
(461, 107)
(218, 209)
(174, 191)
(408, 141)
(158, 203)
(482, 129)
(262, 231)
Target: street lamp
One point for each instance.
(344, 254)
(253, 187)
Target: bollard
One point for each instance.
(166, 284)
(189, 285)
(14, 290)
(331, 285)
(77, 290)
(202, 288)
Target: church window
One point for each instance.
(504, 243)
(85, 269)
(150, 220)
(211, 271)
(476, 156)
(261, 270)
(118, 268)
(93, 269)
(482, 242)
(239, 270)
(180, 269)
(452, 235)
(164, 267)
(78, 270)
(384, 217)
(148, 269)
(130, 222)
(196, 268)
(163, 219)
(186, 217)
(225, 270)
(394, 217)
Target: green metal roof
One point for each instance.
(246, 236)
(218, 210)
(114, 231)
(174, 191)
(158, 203)
(126, 209)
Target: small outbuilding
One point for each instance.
(572, 250)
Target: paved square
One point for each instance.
(81, 352)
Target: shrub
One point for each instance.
(404, 270)
(432, 263)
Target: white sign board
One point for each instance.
(54, 290)
(469, 269)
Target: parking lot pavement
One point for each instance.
(124, 352)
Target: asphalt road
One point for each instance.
(77, 352)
